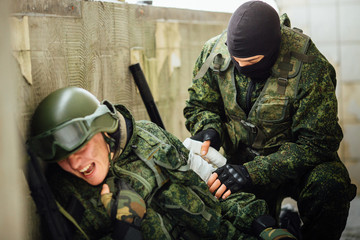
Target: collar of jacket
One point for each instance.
(124, 149)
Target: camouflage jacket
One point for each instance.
(291, 120)
(179, 205)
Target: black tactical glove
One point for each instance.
(208, 134)
(235, 177)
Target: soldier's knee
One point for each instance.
(330, 181)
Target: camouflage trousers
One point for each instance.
(237, 214)
(239, 211)
(323, 197)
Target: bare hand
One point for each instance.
(215, 184)
(205, 147)
(105, 189)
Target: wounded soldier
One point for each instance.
(133, 178)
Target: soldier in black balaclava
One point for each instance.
(254, 31)
(264, 93)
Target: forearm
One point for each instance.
(289, 162)
(204, 108)
(199, 117)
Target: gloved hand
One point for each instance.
(126, 206)
(208, 135)
(233, 178)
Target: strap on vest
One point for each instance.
(71, 219)
(285, 67)
(160, 180)
(218, 61)
(303, 57)
(259, 141)
(162, 226)
(207, 64)
(298, 29)
(256, 136)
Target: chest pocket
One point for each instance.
(274, 109)
(156, 153)
(274, 121)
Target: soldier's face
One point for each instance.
(91, 162)
(243, 62)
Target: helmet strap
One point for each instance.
(110, 141)
(118, 139)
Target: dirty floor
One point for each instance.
(352, 230)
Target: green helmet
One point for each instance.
(66, 120)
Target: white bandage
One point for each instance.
(204, 168)
(212, 156)
(200, 166)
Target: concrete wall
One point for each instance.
(12, 206)
(91, 45)
(334, 26)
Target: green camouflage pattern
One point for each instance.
(178, 203)
(302, 137)
(300, 127)
(275, 234)
(95, 221)
(129, 205)
(216, 104)
(270, 112)
(324, 214)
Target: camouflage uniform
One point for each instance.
(178, 203)
(286, 132)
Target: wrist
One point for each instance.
(247, 182)
(209, 134)
(256, 176)
(234, 177)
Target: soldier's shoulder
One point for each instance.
(320, 63)
(319, 71)
(149, 131)
(146, 125)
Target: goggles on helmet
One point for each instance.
(69, 135)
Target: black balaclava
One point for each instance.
(254, 29)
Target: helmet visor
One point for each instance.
(67, 136)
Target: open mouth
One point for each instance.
(89, 169)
